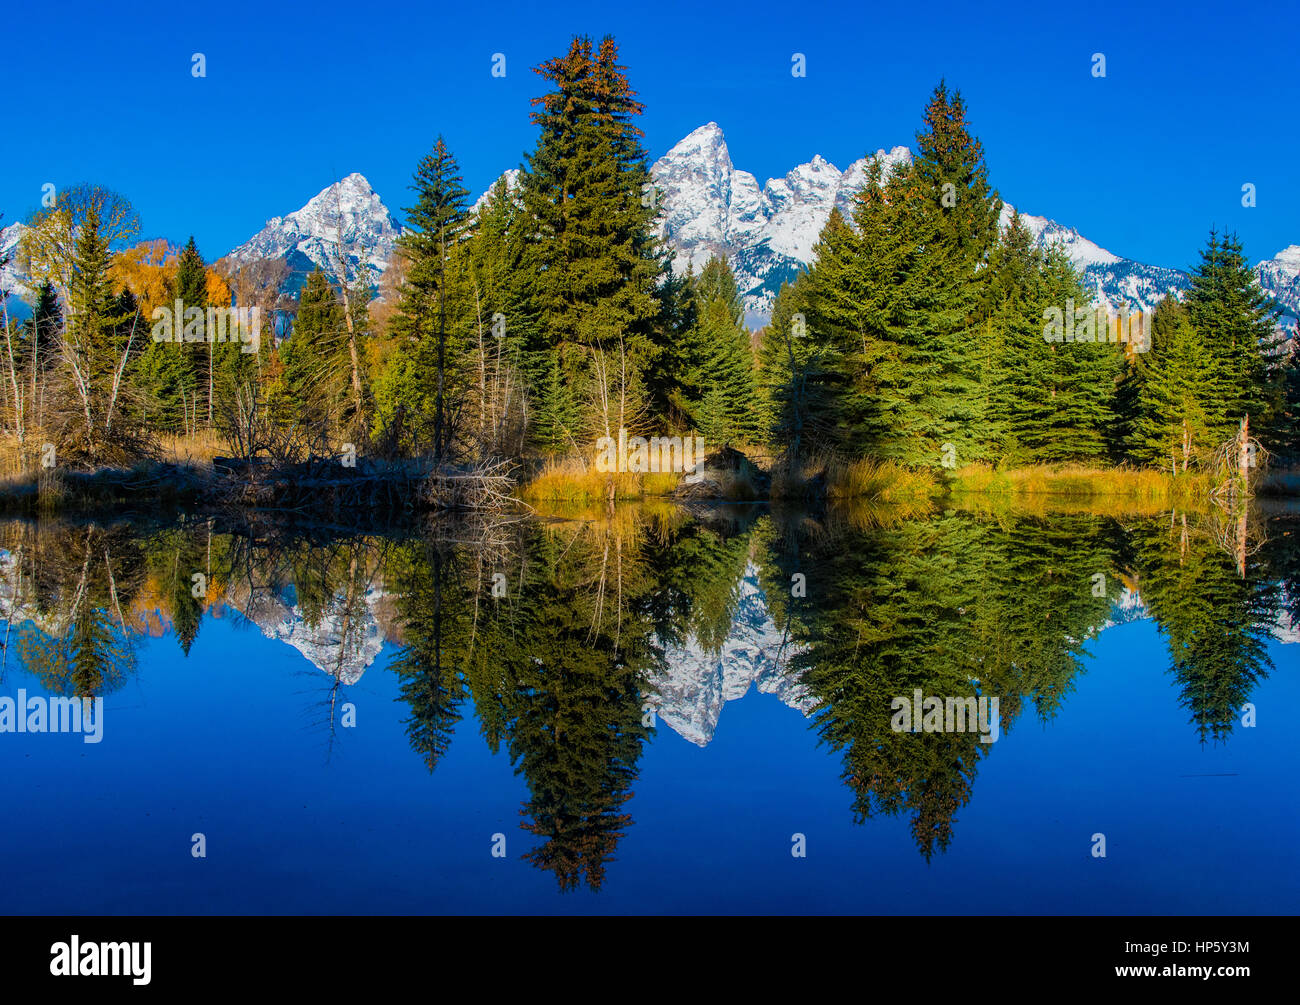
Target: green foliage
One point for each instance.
(1047, 402)
(314, 345)
(1172, 391)
(590, 267)
(718, 389)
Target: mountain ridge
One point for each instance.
(706, 206)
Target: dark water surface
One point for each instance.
(653, 713)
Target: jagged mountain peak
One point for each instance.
(344, 229)
(709, 206)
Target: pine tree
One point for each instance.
(1083, 374)
(960, 213)
(794, 382)
(436, 223)
(1236, 322)
(590, 263)
(555, 414)
(191, 290)
(722, 381)
(895, 299)
(1170, 422)
(310, 356)
(95, 337)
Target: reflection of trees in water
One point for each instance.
(329, 578)
(1216, 607)
(65, 592)
(554, 667)
(560, 666)
(955, 606)
(557, 670)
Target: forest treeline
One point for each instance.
(549, 315)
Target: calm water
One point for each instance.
(641, 713)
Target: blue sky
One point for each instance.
(1195, 103)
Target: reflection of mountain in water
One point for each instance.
(690, 690)
(696, 683)
(1130, 607)
(340, 643)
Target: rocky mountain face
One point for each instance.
(1110, 279)
(343, 642)
(1280, 278)
(767, 233)
(13, 280)
(345, 229)
(707, 206)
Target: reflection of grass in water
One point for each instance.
(628, 516)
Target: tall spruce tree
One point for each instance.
(896, 299)
(436, 224)
(590, 261)
(1236, 323)
(311, 356)
(722, 381)
(1170, 423)
(191, 290)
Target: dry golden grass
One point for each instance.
(570, 481)
(866, 479)
(630, 515)
(11, 459)
(193, 448)
(879, 481)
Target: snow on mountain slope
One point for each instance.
(342, 643)
(343, 228)
(512, 183)
(12, 279)
(1112, 280)
(1279, 277)
(709, 207)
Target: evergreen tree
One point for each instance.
(556, 413)
(1082, 375)
(722, 388)
(191, 290)
(310, 384)
(1236, 322)
(1170, 422)
(436, 223)
(590, 263)
(895, 299)
(95, 338)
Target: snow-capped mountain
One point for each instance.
(767, 234)
(1279, 276)
(12, 279)
(709, 207)
(343, 643)
(511, 178)
(1111, 280)
(345, 227)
